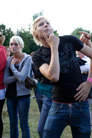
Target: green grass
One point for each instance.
(33, 121)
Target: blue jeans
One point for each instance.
(1, 122)
(90, 109)
(60, 115)
(22, 106)
(44, 104)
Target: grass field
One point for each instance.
(33, 121)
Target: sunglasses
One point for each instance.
(15, 44)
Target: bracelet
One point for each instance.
(89, 79)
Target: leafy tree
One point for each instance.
(29, 43)
(76, 32)
(37, 14)
(7, 32)
(56, 33)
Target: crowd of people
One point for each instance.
(63, 92)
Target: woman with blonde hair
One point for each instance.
(18, 96)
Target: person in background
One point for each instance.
(17, 69)
(43, 94)
(32, 74)
(8, 51)
(56, 60)
(84, 67)
(8, 56)
(85, 70)
(3, 58)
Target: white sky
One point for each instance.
(65, 15)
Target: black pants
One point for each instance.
(1, 122)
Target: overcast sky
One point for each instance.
(65, 15)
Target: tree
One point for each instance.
(37, 14)
(76, 32)
(29, 44)
(56, 33)
(7, 32)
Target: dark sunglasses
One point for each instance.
(15, 44)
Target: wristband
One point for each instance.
(89, 79)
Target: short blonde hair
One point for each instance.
(18, 40)
(2, 39)
(33, 29)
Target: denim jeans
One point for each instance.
(60, 115)
(1, 122)
(90, 109)
(19, 105)
(44, 104)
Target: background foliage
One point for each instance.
(29, 43)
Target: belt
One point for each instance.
(84, 72)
